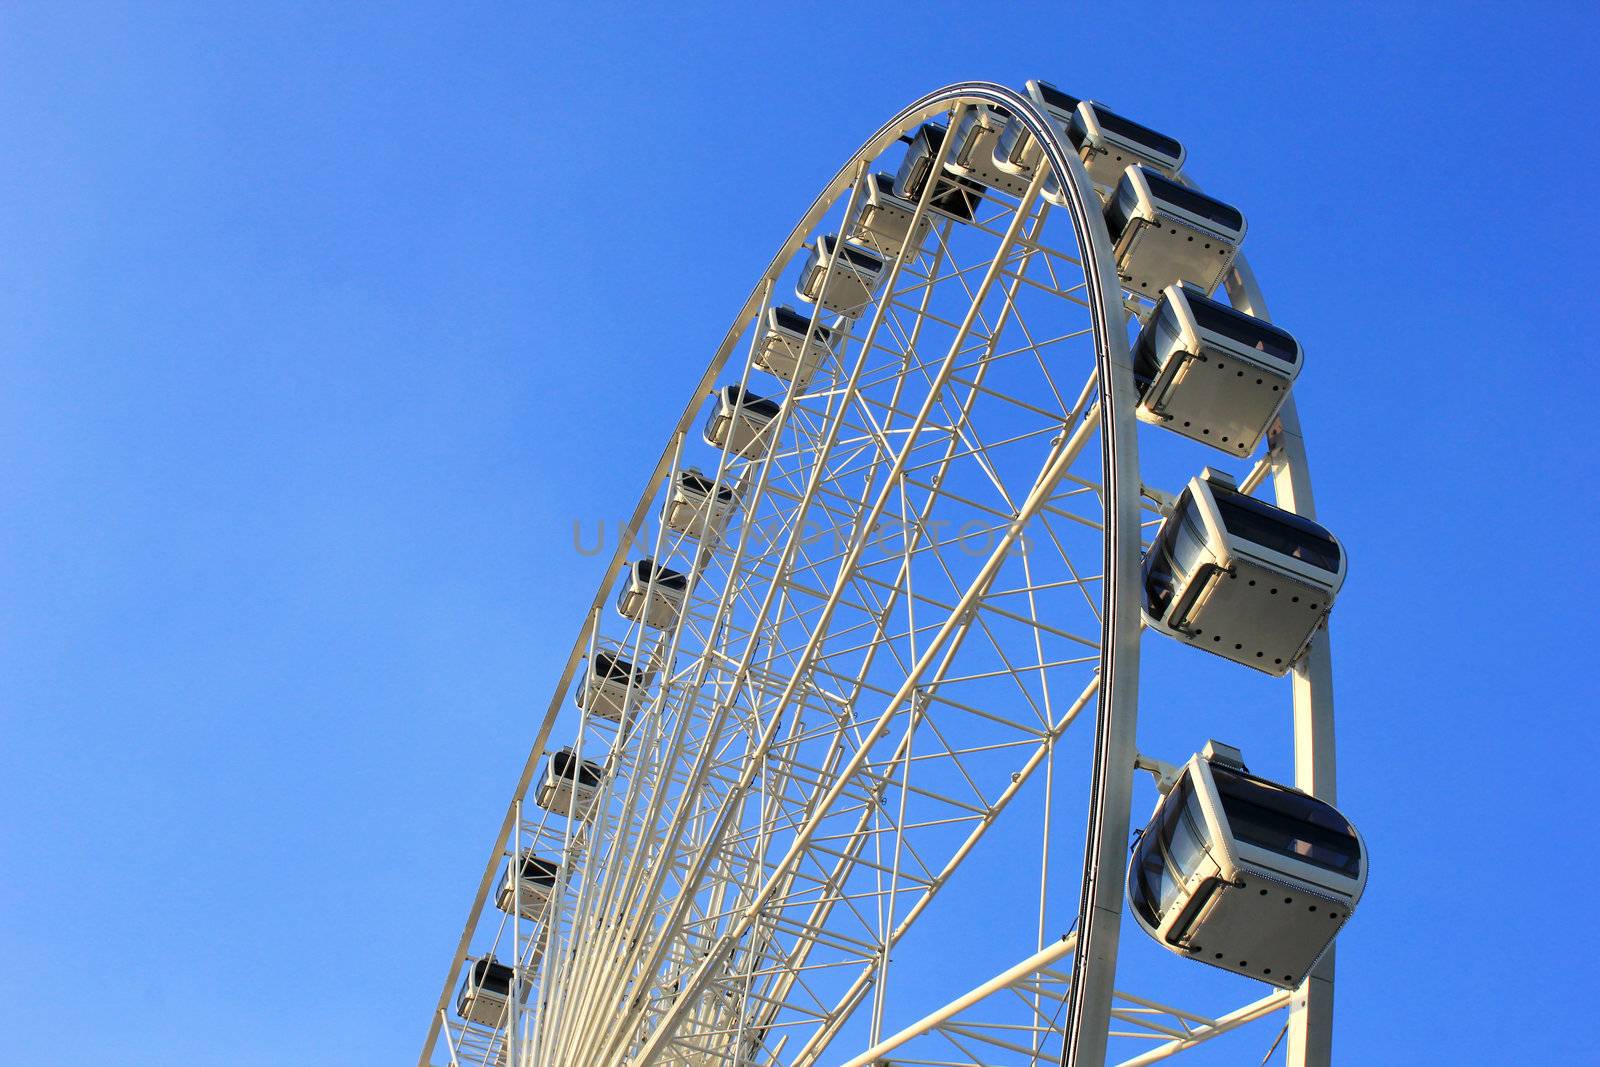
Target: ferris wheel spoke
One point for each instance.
(815, 818)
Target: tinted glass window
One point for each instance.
(862, 259)
(1144, 886)
(1183, 829)
(665, 577)
(1247, 330)
(790, 320)
(695, 483)
(1144, 358)
(1120, 210)
(608, 666)
(492, 976)
(750, 402)
(1159, 581)
(1164, 188)
(1053, 97)
(567, 765)
(1191, 530)
(1186, 843)
(537, 870)
(760, 407)
(1166, 886)
(958, 197)
(913, 174)
(1267, 815)
(1276, 529)
(1157, 143)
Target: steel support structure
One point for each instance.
(850, 703)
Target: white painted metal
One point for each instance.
(1109, 144)
(1315, 760)
(882, 641)
(1219, 386)
(974, 155)
(883, 220)
(1200, 888)
(1161, 242)
(1235, 597)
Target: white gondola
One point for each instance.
(840, 276)
(612, 687)
(569, 785)
(527, 885)
(1239, 577)
(791, 348)
(485, 993)
(741, 422)
(652, 594)
(977, 142)
(1017, 152)
(953, 196)
(1166, 233)
(1245, 874)
(698, 506)
(883, 220)
(1109, 144)
(1211, 373)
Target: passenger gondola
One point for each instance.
(611, 686)
(883, 220)
(527, 885)
(485, 993)
(569, 785)
(1239, 577)
(1017, 152)
(1243, 873)
(1165, 233)
(840, 276)
(698, 506)
(741, 422)
(792, 348)
(1109, 144)
(1211, 373)
(652, 594)
(973, 155)
(953, 196)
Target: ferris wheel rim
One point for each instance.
(1120, 470)
(928, 106)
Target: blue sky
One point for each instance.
(317, 327)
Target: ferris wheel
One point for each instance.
(841, 767)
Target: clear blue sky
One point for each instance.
(316, 329)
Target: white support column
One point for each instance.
(1094, 967)
(1315, 763)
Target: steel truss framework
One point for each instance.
(930, 579)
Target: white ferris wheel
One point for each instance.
(841, 767)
